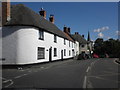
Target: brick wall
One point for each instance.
(5, 11)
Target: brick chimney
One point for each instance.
(76, 33)
(83, 36)
(5, 12)
(51, 18)
(65, 29)
(43, 13)
(69, 29)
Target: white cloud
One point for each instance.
(97, 30)
(101, 29)
(108, 37)
(101, 35)
(118, 33)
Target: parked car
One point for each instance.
(95, 55)
(83, 56)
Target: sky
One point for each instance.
(99, 18)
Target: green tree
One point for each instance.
(110, 47)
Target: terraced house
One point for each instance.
(83, 45)
(28, 37)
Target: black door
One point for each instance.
(73, 53)
(50, 54)
(61, 54)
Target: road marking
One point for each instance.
(89, 85)
(11, 82)
(93, 63)
(107, 75)
(17, 77)
(88, 69)
(20, 76)
(41, 67)
(116, 62)
(85, 78)
(3, 78)
(107, 79)
(6, 81)
(29, 71)
(85, 82)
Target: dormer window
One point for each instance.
(41, 34)
(55, 38)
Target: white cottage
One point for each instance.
(81, 43)
(28, 37)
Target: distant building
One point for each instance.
(90, 44)
(81, 43)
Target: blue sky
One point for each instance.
(99, 18)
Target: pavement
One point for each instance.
(36, 65)
(91, 73)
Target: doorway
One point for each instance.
(50, 54)
(61, 54)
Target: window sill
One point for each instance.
(40, 58)
(2, 59)
(41, 39)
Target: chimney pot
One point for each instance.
(51, 18)
(41, 8)
(65, 29)
(83, 36)
(76, 33)
(69, 29)
(43, 13)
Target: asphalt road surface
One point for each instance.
(92, 73)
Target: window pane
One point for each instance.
(83, 46)
(69, 53)
(64, 52)
(69, 43)
(41, 53)
(55, 38)
(55, 51)
(41, 34)
(64, 42)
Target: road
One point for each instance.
(92, 73)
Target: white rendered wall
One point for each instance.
(0, 46)
(90, 47)
(77, 48)
(9, 45)
(49, 42)
(20, 45)
(83, 49)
